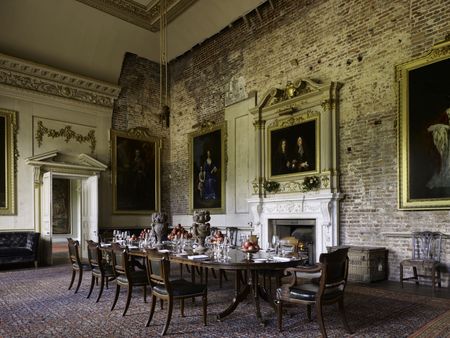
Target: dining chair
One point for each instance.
(77, 265)
(101, 268)
(329, 288)
(126, 275)
(426, 256)
(158, 273)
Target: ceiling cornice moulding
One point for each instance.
(47, 80)
(134, 12)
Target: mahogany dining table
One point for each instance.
(238, 262)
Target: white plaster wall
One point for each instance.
(28, 105)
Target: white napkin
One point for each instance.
(163, 251)
(198, 257)
(133, 247)
(281, 259)
(105, 245)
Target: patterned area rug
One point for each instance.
(36, 303)
(437, 328)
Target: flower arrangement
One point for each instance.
(311, 183)
(271, 186)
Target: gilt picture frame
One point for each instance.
(424, 131)
(135, 171)
(207, 169)
(293, 147)
(8, 161)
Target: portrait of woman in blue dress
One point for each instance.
(209, 192)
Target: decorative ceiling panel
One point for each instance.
(142, 13)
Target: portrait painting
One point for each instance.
(425, 133)
(61, 222)
(135, 167)
(8, 130)
(207, 174)
(293, 149)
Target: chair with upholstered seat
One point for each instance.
(126, 275)
(426, 255)
(158, 271)
(328, 289)
(101, 269)
(75, 260)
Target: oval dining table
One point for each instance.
(239, 262)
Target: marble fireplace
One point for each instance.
(289, 187)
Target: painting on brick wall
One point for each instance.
(135, 170)
(293, 148)
(207, 169)
(61, 222)
(424, 134)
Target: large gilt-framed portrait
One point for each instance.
(8, 131)
(61, 222)
(424, 131)
(294, 147)
(207, 169)
(135, 171)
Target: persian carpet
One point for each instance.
(36, 303)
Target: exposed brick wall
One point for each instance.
(138, 106)
(356, 42)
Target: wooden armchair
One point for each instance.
(328, 289)
(126, 275)
(158, 272)
(426, 255)
(75, 260)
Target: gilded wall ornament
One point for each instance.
(67, 133)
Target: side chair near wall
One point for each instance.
(77, 265)
(101, 269)
(126, 275)
(327, 289)
(158, 271)
(426, 255)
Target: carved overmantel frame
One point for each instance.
(300, 101)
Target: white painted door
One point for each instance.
(47, 216)
(89, 212)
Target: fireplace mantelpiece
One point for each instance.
(286, 111)
(321, 206)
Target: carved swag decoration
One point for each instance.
(67, 133)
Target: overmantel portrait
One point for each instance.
(424, 130)
(135, 171)
(8, 155)
(293, 146)
(207, 169)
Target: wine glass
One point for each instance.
(275, 242)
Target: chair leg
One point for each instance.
(415, 275)
(92, 286)
(205, 306)
(145, 293)
(169, 316)
(102, 283)
(73, 279)
(182, 307)
(401, 275)
(433, 280)
(279, 306)
(161, 304)
(308, 311)
(438, 272)
(320, 319)
(344, 318)
(116, 297)
(130, 291)
(152, 310)
(80, 277)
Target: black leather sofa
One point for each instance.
(19, 247)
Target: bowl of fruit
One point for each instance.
(250, 247)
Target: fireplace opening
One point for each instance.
(302, 229)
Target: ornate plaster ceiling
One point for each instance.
(142, 13)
